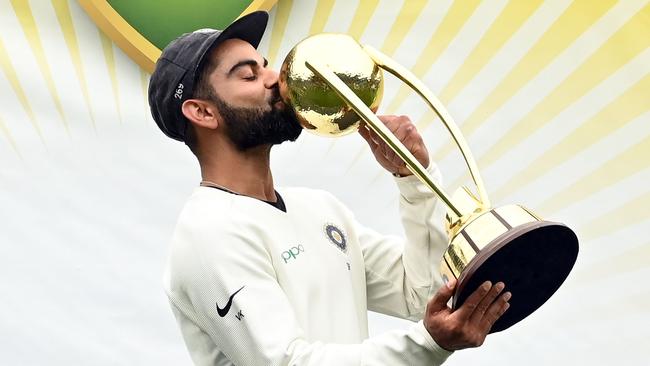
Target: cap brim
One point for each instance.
(249, 28)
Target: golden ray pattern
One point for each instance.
(321, 15)
(109, 57)
(609, 38)
(282, 13)
(623, 166)
(513, 15)
(12, 76)
(611, 172)
(408, 14)
(454, 19)
(64, 17)
(628, 261)
(24, 14)
(361, 18)
(619, 49)
(625, 108)
(627, 214)
(504, 27)
(575, 20)
(451, 24)
(7, 134)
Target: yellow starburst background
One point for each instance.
(553, 97)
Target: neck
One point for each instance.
(247, 173)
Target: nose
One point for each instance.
(271, 78)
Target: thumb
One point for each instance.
(441, 297)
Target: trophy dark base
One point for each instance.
(532, 259)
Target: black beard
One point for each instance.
(251, 127)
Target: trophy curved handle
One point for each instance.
(407, 76)
(380, 129)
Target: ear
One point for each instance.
(201, 113)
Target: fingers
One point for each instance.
(406, 132)
(485, 303)
(403, 133)
(370, 138)
(439, 301)
(484, 306)
(363, 131)
(469, 325)
(393, 124)
(471, 303)
(367, 135)
(408, 135)
(382, 152)
(495, 311)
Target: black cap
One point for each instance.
(179, 66)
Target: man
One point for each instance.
(259, 275)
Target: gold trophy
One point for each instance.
(332, 83)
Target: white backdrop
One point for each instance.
(553, 97)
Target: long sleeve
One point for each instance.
(402, 274)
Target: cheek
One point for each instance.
(250, 96)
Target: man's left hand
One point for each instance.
(405, 131)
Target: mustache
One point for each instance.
(275, 96)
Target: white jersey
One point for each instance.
(250, 284)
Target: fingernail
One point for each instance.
(507, 296)
(451, 284)
(500, 286)
(486, 285)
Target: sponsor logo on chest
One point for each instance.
(292, 253)
(334, 234)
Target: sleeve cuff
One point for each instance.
(411, 188)
(440, 353)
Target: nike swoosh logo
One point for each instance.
(224, 311)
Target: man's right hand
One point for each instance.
(468, 325)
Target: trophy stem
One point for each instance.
(380, 129)
(406, 76)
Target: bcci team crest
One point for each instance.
(143, 34)
(336, 236)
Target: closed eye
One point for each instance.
(252, 64)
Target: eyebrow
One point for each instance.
(249, 62)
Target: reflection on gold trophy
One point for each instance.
(332, 83)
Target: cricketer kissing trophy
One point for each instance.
(331, 81)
